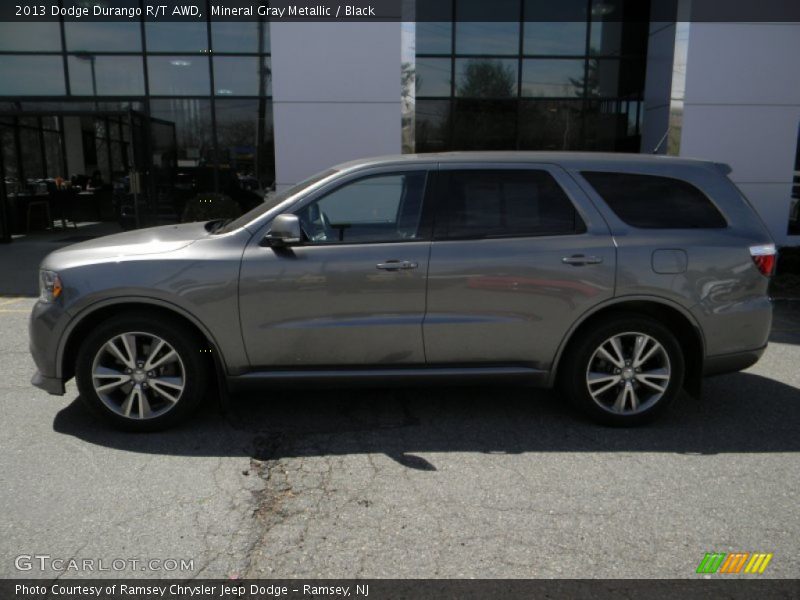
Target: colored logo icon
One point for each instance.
(736, 562)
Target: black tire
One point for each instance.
(573, 376)
(187, 345)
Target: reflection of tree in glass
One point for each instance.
(408, 77)
(550, 125)
(590, 81)
(487, 124)
(486, 78)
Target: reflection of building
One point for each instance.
(87, 102)
(573, 84)
(596, 75)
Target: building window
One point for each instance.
(87, 36)
(242, 76)
(92, 75)
(29, 37)
(194, 140)
(179, 75)
(28, 75)
(566, 75)
(238, 37)
(168, 36)
(558, 78)
(246, 140)
(486, 77)
(139, 95)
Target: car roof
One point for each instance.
(568, 159)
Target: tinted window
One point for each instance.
(91, 75)
(178, 75)
(433, 77)
(480, 29)
(242, 76)
(479, 203)
(39, 37)
(32, 76)
(486, 78)
(558, 77)
(434, 38)
(653, 202)
(382, 208)
(483, 124)
(103, 37)
(176, 37)
(236, 36)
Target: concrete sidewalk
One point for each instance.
(19, 260)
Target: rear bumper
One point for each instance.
(51, 385)
(729, 363)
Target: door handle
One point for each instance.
(396, 265)
(578, 260)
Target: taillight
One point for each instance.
(764, 256)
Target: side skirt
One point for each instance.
(395, 376)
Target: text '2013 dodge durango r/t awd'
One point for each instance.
(619, 278)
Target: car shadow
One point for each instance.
(741, 412)
(785, 322)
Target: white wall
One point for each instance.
(336, 94)
(742, 107)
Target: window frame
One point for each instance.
(582, 224)
(425, 229)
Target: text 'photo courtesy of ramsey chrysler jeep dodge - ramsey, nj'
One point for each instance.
(619, 279)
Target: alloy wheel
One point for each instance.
(138, 375)
(628, 373)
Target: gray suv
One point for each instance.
(621, 279)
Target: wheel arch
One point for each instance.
(676, 317)
(92, 315)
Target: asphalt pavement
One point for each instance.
(429, 482)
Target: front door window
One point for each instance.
(380, 208)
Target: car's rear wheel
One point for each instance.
(624, 371)
(141, 373)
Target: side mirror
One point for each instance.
(284, 231)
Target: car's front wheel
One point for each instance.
(624, 371)
(141, 373)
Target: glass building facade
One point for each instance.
(530, 75)
(187, 105)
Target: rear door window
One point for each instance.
(655, 202)
(479, 203)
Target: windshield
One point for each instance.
(272, 200)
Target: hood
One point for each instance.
(119, 246)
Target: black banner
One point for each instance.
(398, 10)
(389, 589)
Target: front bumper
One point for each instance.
(51, 385)
(45, 328)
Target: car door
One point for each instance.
(352, 294)
(518, 254)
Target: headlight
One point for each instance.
(50, 286)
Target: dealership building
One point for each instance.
(206, 106)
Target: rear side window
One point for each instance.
(653, 202)
(503, 203)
